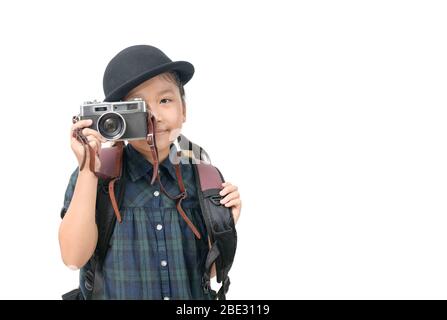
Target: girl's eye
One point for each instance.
(166, 100)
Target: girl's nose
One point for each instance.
(154, 114)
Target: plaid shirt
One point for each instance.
(153, 253)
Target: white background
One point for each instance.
(330, 116)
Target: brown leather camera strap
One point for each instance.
(179, 198)
(151, 129)
(150, 138)
(113, 199)
(179, 201)
(77, 133)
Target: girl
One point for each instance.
(153, 253)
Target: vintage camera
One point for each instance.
(117, 121)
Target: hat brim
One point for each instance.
(184, 69)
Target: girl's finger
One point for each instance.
(78, 125)
(94, 143)
(87, 132)
(233, 203)
(231, 196)
(227, 189)
(81, 124)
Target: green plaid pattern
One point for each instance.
(153, 253)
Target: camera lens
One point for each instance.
(111, 125)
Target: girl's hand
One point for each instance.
(231, 199)
(94, 139)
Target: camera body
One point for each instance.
(117, 121)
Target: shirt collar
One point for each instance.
(138, 166)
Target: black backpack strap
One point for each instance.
(106, 214)
(73, 295)
(105, 220)
(220, 226)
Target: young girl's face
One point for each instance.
(163, 98)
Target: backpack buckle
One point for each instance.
(215, 199)
(150, 139)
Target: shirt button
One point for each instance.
(166, 298)
(159, 227)
(156, 193)
(164, 263)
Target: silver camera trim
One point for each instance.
(87, 108)
(122, 131)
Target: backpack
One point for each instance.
(218, 219)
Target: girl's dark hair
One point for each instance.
(173, 77)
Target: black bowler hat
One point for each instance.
(134, 65)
